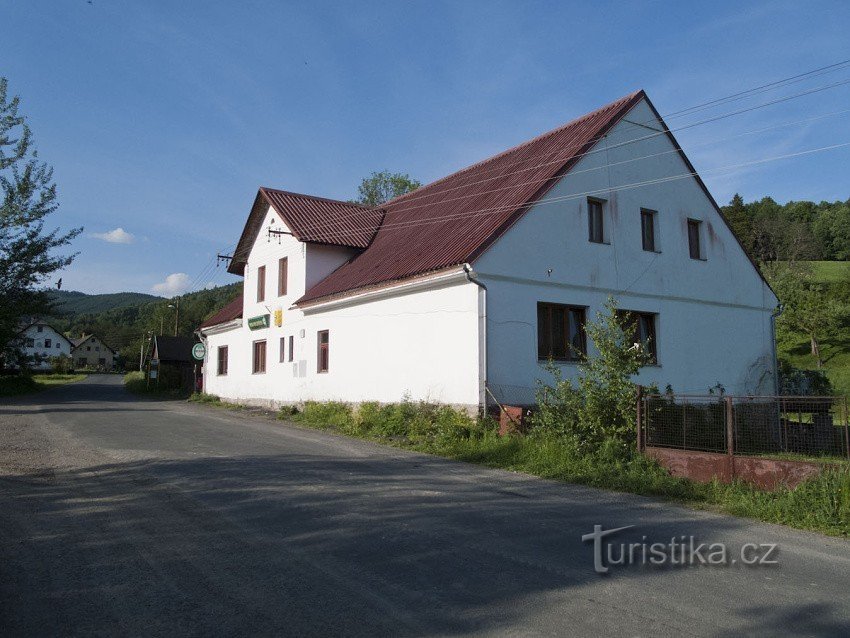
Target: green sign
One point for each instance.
(255, 323)
(199, 350)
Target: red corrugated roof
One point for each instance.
(453, 220)
(231, 311)
(311, 219)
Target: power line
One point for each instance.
(599, 191)
(386, 224)
(414, 197)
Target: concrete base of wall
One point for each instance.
(766, 474)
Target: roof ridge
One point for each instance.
(319, 198)
(618, 102)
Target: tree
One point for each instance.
(807, 308)
(27, 250)
(384, 186)
(598, 407)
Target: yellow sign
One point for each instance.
(278, 317)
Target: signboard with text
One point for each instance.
(256, 323)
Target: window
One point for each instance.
(282, 275)
(324, 338)
(647, 229)
(560, 332)
(48, 343)
(41, 328)
(261, 283)
(282, 349)
(58, 346)
(222, 361)
(594, 221)
(88, 348)
(291, 347)
(259, 362)
(640, 328)
(97, 348)
(30, 343)
(694, 229)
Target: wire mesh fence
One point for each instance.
(766, 425)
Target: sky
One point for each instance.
(161, 119)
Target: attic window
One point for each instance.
(694, 232)
(596, 231)
(261, 283)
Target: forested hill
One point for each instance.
(794, 231)
(75, 303)
(123, 326)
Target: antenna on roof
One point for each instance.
(278, 233)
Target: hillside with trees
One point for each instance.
(803, 249)
(796, 231)
(67, 302)
(125, 326)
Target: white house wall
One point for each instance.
(39, 352)
(422, 345)
(713, 323)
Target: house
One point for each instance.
(92, 353)
(462, 291)
(40, 342)
(175, 364)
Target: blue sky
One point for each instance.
(161, 119)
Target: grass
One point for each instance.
(830, 272)
(136, 383)
(835, 351)
(20, 384)
(820, 504)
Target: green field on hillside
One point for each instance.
(835, 349)
(831, 272)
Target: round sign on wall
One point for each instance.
(199, 351)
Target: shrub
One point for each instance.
(599, 408)
(61, 364)
(331, 414)
(799, 382)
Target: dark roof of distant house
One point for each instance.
(173, 348)
(310, 219)
(77, 342)
(231, 311)
(453, 220)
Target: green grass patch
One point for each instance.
(835, 351)
(136, 383)
(821, 504)
(830, 272)
(25, 384)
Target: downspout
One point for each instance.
(482, 339)
(773, 317)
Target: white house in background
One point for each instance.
(91, 352)
(41, 341)
(467, 286)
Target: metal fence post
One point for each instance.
(730, 427)
(846, 431)
(640, 443)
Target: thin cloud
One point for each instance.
(175, 284)
(117, 236)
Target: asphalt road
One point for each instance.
(121, 516)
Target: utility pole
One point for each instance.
(176, 306)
